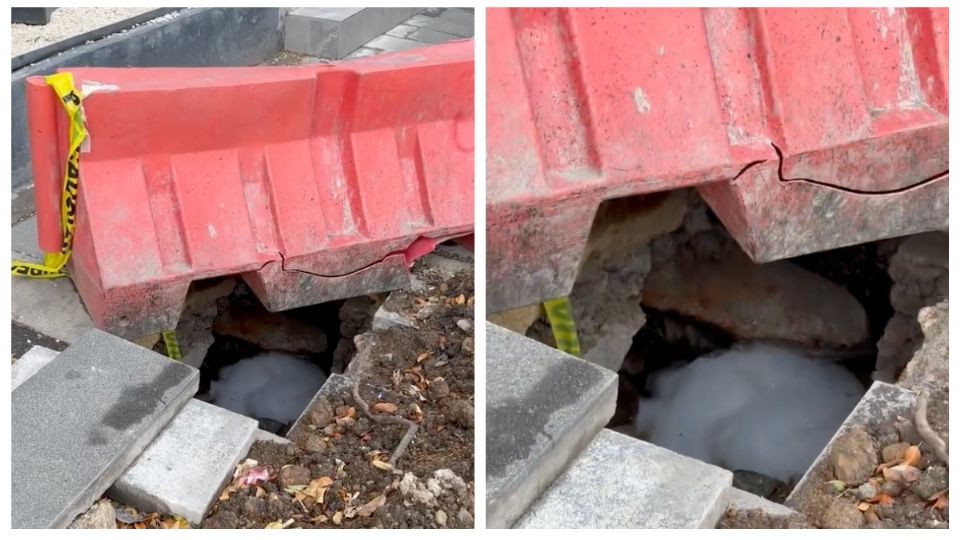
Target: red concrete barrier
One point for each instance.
(315, 183)
(585, 105)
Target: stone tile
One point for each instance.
(622, 482)
(543, 408)
(460, 29)
(392, 44)
(29, 364)
(183, 471)
(333, 33)
(79, 422)
(401, 30)
(744, 500)
(431, 36)
(363, 52)
(49, 306)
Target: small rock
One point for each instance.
(414, 491)
(778, 301)
(465, 518)
(460, 412)
(321, 413)
(361, 426)
(441, 518)
(100, 516)
(894, 452)
(224, 519)
(254, 508)
(891, 488)
(294, 475)
(438, 389)
(314, 443)
(906, 429)
(866, 491)
(252, 323)
(854, 457)
(842, 514)
(887, 435)
(932, 481)
(467, 344)
(426, 311)
(465, 325)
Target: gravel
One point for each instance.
(66, 22)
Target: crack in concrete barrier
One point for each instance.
(848, 189)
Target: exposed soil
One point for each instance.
(758, 519)
(904, 504)
(427, 374)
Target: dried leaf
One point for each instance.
(883, 499)
(423, 356)
(912, 456)
(902, 474)
(838, 485)
(385, 407)
(337, 517)
(318, 488)
(175, 522)
(459, 300)
(260, 492)
(416, 412)
(127, 516)
(863, 507)
(279, 524)
(291, 489)
(382, 465)
(368, 509)
(939, 500)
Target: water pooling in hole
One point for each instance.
(269, 366)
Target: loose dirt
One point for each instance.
(335, 474)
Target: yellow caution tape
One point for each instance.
(171, 345)
(53, 263)
(561, 321)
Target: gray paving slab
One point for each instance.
(625, 483)
(385, 318)
(30, 363)
(363, 52)
(543, 408)
(458, 15)
(431, 36)
(459, 29)
(80, 421)
(184, 469)
(744, 500)
(880, 406)
(265, 436)
(23, 240)
(333, 33)
(393, 44)
(401, 30)
(49, 306)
